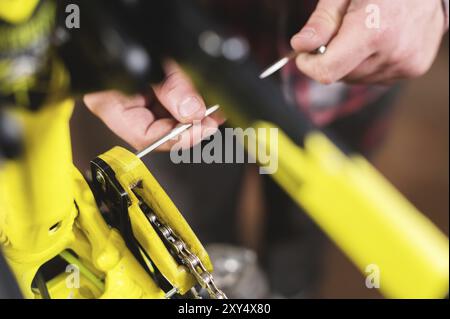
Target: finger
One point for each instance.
(187, 139)
(127, 116)
(348, 49)
(219, 117)
(178, 95)
(321, 27)
(155, 106)
(159, 128)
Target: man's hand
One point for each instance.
(404, 46)
(141, 120)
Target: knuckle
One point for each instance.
(379, 37)
(384, 35)
(414, 65)
(139, 142)
(172, 82)
(324, 15)
(375, 40)
(398, 56)
(415, 70)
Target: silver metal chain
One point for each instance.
(187, 258)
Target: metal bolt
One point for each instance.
(101, 179)
(171, 293)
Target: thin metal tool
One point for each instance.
(174, 133)
(282, 62)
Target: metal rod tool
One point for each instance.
(282, 62)
(174, 133)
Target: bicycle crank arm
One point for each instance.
(151, 225)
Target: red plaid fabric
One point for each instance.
(326, 103)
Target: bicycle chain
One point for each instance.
(187, 258)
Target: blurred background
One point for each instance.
(414, 157)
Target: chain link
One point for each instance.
(187, 258)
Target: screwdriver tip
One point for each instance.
(274, 67)
(282, 62)
(211, 110)
(174, 133)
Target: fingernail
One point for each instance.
(306, 34)
(189, 107)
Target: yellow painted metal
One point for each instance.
(364, 214)
(82, 269)
(60, 290)
(17, 11)
(136, 179)
(103, 249)
(47, 207)
(36, 193)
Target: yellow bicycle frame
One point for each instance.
(46, 208)
(364, 215)
(367, 218)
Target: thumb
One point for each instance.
(321, 27)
